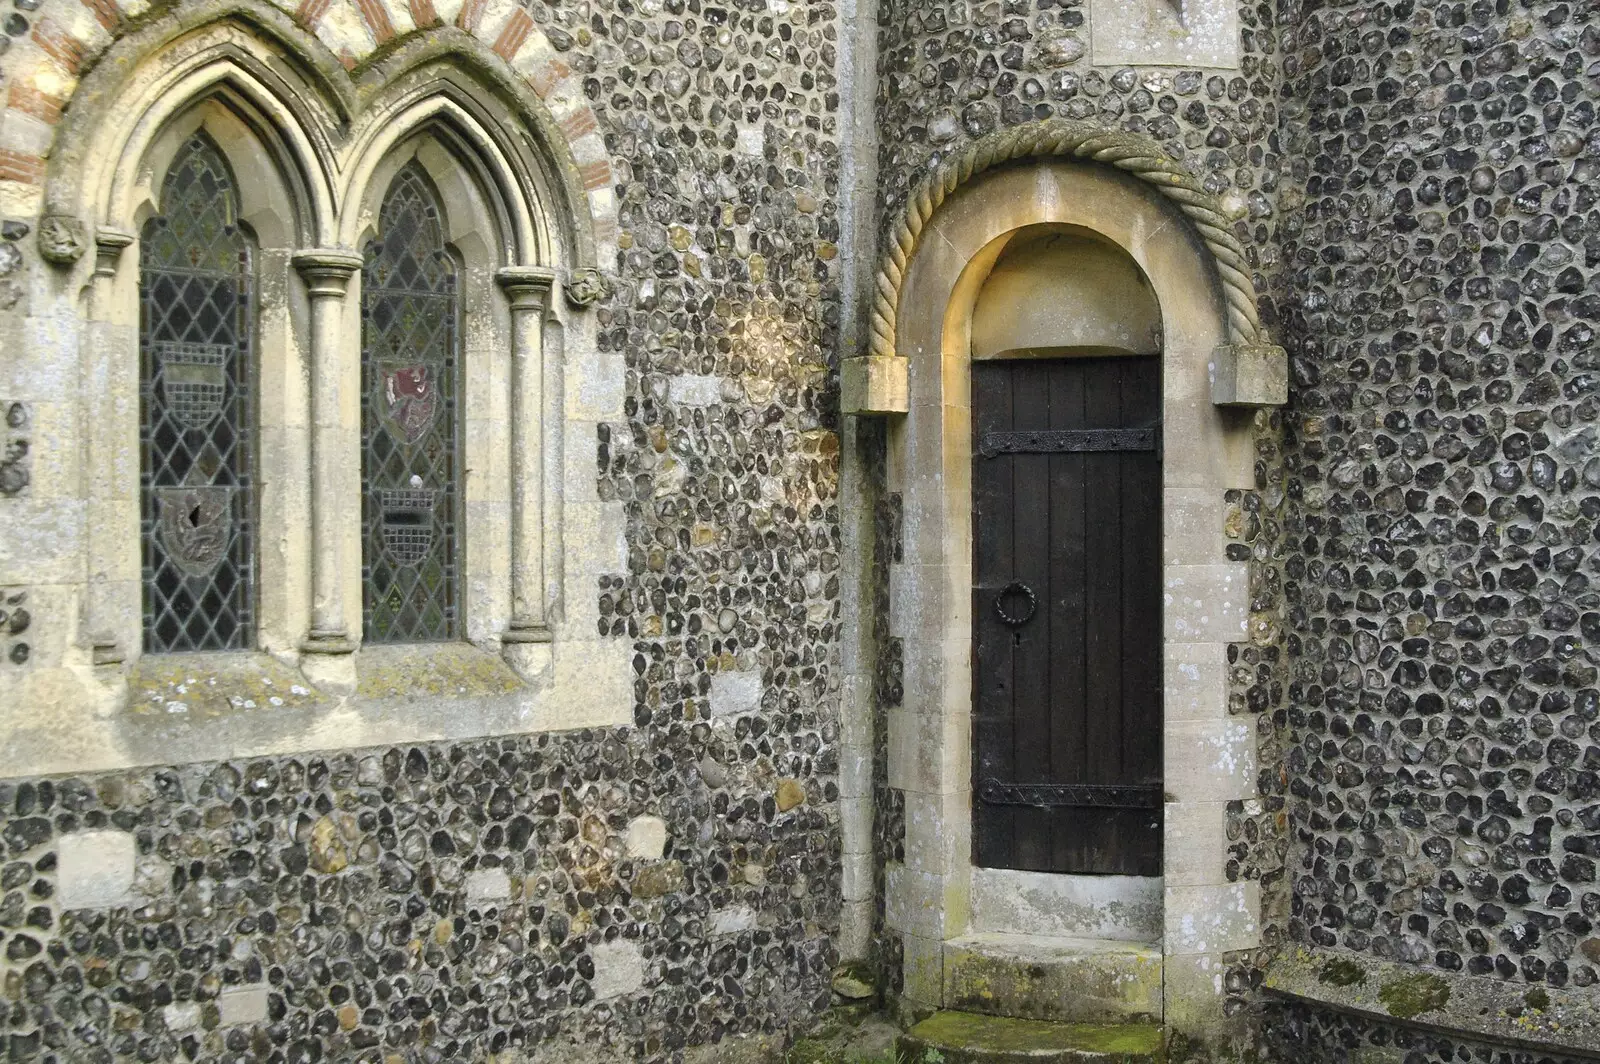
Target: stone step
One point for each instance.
(970, 1038)
(1063, 980)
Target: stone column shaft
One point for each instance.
(327, 273)
(528, 288)
(106, 337)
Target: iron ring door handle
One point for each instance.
(1014, 620)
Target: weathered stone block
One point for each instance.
(733, 693)
(95, 869)
(1059, 979)
(1249, 375)
(1200, 33)
(242, 1004)
(488, 884)
(618, 969)
(874, 384)
(647, 838)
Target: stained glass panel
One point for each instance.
(197, 497)
(408, 421)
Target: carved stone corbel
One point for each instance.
(587, 287)
(61, 239)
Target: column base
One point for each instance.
(328, 662)
(527, 633)
(105, 651)
(528, 651)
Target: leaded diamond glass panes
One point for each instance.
(197, 497)
(408, 421)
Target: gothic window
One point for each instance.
(197, 494)
(408, 422)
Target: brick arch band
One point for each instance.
(72, 39)
(1250, 350)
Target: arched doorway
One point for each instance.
(987, 295)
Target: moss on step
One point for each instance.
(1342, 972)
(1414, 994)
(959, 1037)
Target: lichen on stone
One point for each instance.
(1414, 994)
(1342, 972)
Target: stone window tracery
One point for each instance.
(197, 497)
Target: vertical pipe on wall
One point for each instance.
(858, 134)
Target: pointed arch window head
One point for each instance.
(197, 495)
(410, 497)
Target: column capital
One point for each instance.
(327, 270)
(528, 287)
(108, 247)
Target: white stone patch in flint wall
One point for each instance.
(647, 838)
(690, 389)
(618, 969)
(242, 1004)
(1153, 33)
(488, 884)
(95, 869)
(733, 919)
(735, 692)
(182, 1016)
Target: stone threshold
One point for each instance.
(967, 1038)
(1064, 980)
(1520, 1015)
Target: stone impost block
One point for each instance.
(875, 384)
(1249, 375)
(95, 869)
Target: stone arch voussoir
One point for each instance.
(73, 36)
(1248, 371)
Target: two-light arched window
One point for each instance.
(336, 439)
(198, 502)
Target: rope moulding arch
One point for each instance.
(1132, 153)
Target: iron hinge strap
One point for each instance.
(1071, 795)
(1070, 441)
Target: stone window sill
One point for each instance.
(1526, 1015)
(186, 708)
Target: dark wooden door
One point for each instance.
(1066, 615)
